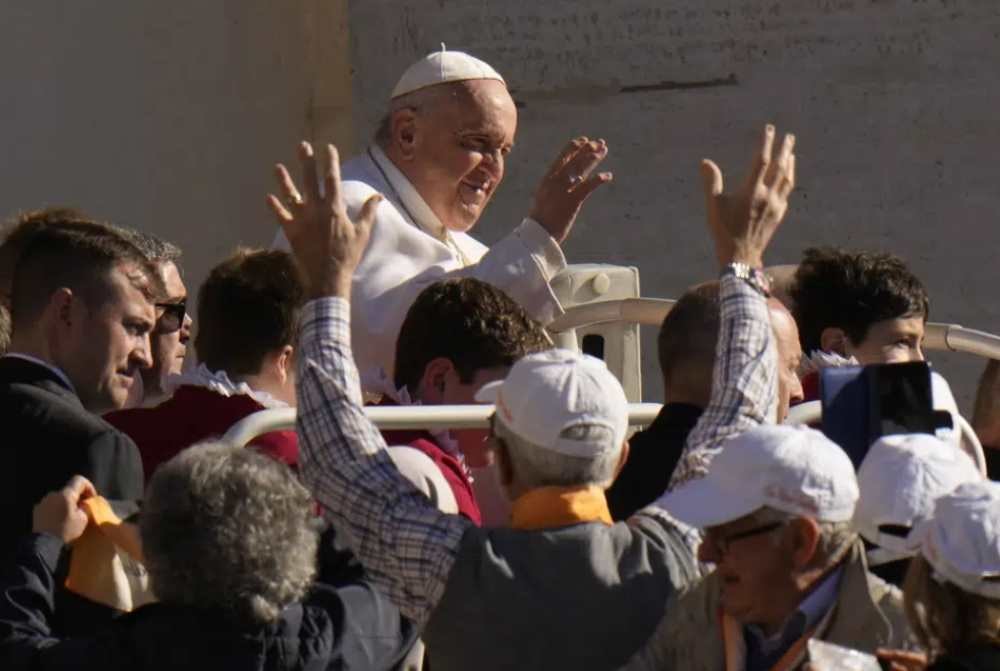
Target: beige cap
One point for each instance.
(442, 67)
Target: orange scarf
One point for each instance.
(551, 507)
(106, 563)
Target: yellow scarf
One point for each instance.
(550, 507)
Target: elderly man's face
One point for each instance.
(754, 568)
(786, 335)
(460, 144)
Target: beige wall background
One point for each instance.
(168, 117)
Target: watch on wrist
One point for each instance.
(755, 277)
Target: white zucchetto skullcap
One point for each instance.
(442, 67)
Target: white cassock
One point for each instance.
(410, 249)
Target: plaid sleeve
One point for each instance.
(406, 545)
(744, 381)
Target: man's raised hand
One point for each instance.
(569, 181)
(326, 243)
(743, 223)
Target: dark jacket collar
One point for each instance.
(15, 370)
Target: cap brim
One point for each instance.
(488, 392)
(702, 503)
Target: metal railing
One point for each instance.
(390, 418)
(651, 311)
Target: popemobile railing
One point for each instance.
(643, 311)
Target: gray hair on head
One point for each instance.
(835, 538)
(536, 466)
(228, 529)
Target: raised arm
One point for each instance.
(744, 380)
(406, 545)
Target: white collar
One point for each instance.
(220, 383)
(413, 203)
(58, 372)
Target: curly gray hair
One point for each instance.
(228, 528)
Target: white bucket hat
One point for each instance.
(962, 541)
(794, 469)
(900, 479)
(546, 393)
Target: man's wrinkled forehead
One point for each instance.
(470, 104)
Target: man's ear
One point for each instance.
(61, 307)
(622, 459)
(285, 363)
(833, 339)
(403, 126)
(805, 537)
(434, 380)
(505, 469)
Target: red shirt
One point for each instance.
(451, 469)
(191, 415)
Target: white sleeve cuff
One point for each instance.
(543, 248)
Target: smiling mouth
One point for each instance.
(478, 190)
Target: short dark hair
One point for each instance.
(690, 330)
(469, 322)
(852, 291)
(247, 308)
(57, 248)
(229, 529)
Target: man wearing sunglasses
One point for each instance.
(169, 337)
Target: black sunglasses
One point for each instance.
(173, 316)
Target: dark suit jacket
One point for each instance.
(652, 458)
(46, 437)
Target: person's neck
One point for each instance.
(266, 384)
(801, 586)
(680, 394)
(33, 347)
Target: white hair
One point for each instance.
(535, 466)
(835, 538)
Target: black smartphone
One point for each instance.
(901, 399)
(860, 405)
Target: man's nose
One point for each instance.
(186, 328)
(797, 393)
(141, 355)
(493, 162)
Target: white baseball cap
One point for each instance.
(442, 67)
(900, 479)
(549, 392)
(962, 541)
(794, 469)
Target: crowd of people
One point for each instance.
(718, 537)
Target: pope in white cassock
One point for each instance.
(437, 159)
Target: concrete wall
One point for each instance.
(168, 116)
(893, 102)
